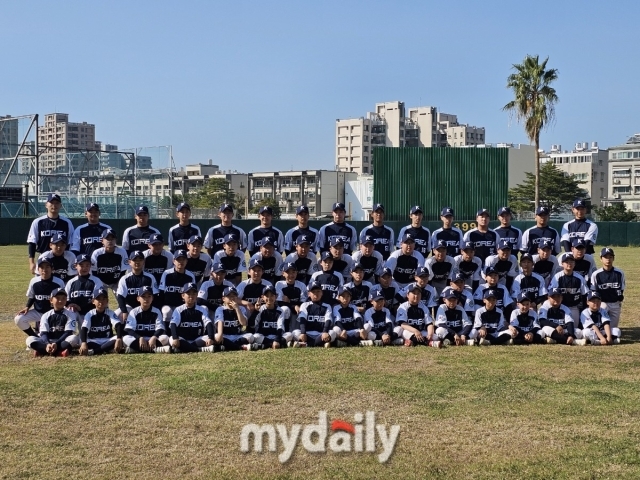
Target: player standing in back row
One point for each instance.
(382, 235)
(542, 232)
(337, 229)
(448, 233)
(303, 228)
(87, 238)
(214, 239)
(421, 234)
(180, 233)
(265, 229)
(136, 238)
(579, 227)
(506, 230)
(484, 239)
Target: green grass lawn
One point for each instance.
(547, 411)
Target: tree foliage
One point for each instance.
(616, 212)
(213, 194)
(267, 202)
(557, 190)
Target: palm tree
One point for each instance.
(534, 102)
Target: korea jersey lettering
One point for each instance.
(251, 292)
(341, 231)
(200, 267)
(598, 319)
(533, 286)
(491, 320)
(512, 234)
(43, 228)
(347, 318)
(403, 267)
(453, 238)
(129, 287)
(210, 294)
(380, 321)
(383, 239)
(296, 294)
(230, 323)
(109, 267)
(270, 322)
(573, 288)
(484, 242)
(422, 237)
(257, 235)
(585, 266)
(532, 237)
(546, 268)
(306, 266)
(271, 266)
(214, 240)
(234, 265)
(40, 291)
(553, 317)
(455, 320)
(416, 316)
(292, 235)
(584, 229)
(330, 282)
(136, 239)
(190, 322)
(315, 317)
(359, 293)
(170, 285)
(62, 266)
(80, 291)
(99, 325)
(470, 269)
(502, 295)
(144, 323)
(372, 265)
(156, 265)
(55, 324)
(525, 322)
(610, 284)
(179, 236)
(440, 272)
(87, 238)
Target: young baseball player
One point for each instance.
(316, 320)
(414, 322)
(404, 262)
(448, 233)
(157, 260)
(490, 327)
(38, 297)
(62, 260)
(270, 331)
(145, 330)
(463, 295)
(329, 280)
(504, 263)
(342, 262)
(542, 232)
(556, 321)
(390, 290)
(270, 260)
(110, 262)
(420, 233)
(265, 229)
(452, 322)
(503, 300)
(573, 287)
(609, 282)
(180, 233)
(231, 323)
(483, 238)
(250, 292)
(379, 320)
(529, 282)
(232, 259)
(210, 293)
(88, 237)
(198, 263)
(80, 289)
(305, 261)
(101, 331)
(524, 322)
(371, 261)
(382, 235)
(585, 265)
(215, 238)
(57, 327)
(596, 322)
(347, 320)
(359, 289)
(545, 264)
(440, 267)
(45, 227)
(129, 285)
(303, 228)
(136, 238)
(191, 327)
(579, 228)
(508, 232)
(291, 294)
(468, 265)
(338, 229)
(170, 287)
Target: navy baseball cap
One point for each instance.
(230, 237)
(107, 232)
(357, 266)
(522, 296)
(504, 210)
(196, 238)
(555, 291)
(269, 289)
(458, 277)
(449, 293)
(326, 256)
(135, 255)
(545, 244)
(187, 287)
(58, 291)
(408, 237)
(179, 254)
(579, 203)
(336, 242)
(289, 266)
(182, 205)
(526, 256)
(593, 294)
(414, 286)
(142, 209)
(145, 289)
(338, 206)
(218, 267)
(42, 260)
(343, 290)
(229, 291)
(542, 211)
(482, 211)
(367, 239)
(446, 211)
(504, 244)
(376, 294)
(468, 245)
(225, 206)
(579, 243)
(83, 257)
(490, 270)
(155, 238)
(255, 263)
(59, 237)
(314, 286)
(440, 244)
(422, 272)
(90, 206)
(100, 292)
(489, 294)
(265, 209)
(300, 239)
(606, 251)
(302, 209)
(568, 256)
(378, 206)
(386, 271)
(53, 196)
(267, 241)
(415, 209)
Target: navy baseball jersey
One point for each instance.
(98, 325)
(210, 294)
(87, 238)
(200, 267)
(347, 318)
(380, 321)
(55, 325)
(229, 318)
(315, 317)
(491, 320)
(416, 316)
(144, 323)
(270, 322)
(422, 237)
(453, 237)
(306, 266)
(179, 236)
(330, 282)
(136, 239)
(292, 234)
(170, 285)
(62, 266)
(257, 235)
(129, 288)
(609, 283)
(214, 240)
(575, 229)
(403, 267)
(109, 267)
(455, 320)
(234, 265)
(43, 228)
(189, 323)
(533, 286)
(337, 231)
(39, 291)
(573, 287)
(383, 238)
(512, 234)
(484, 242)
(532, 237)
(80, 291)
(156, 265)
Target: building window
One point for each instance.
(366, 128)
(365, 169)
(366, 159)
(366, 138)
(602, 176)
(365, 148)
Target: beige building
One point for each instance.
(624, 173)
(60, 134)
(391, 125)
(588, 163)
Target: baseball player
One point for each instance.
(61, 259)
(507, 231)
(250, 292)
(129, 285)
(210, 293)
(57, 327)
(579, 227)
(347, 320)
(38, 297)
(170, 287)
(489, 327)
(270, 260)
(232, 259)
(180, 233)
(414, 322)
(463, 295)
(573, 287)
(101, 331)
(191, 327)
(524, 322)
(214, 239)
(529, 282)
(110, 262)
(596, 323)
(342, 262)
(484, 239)
(45, 227)
(359, 289)
(291, 294)
(231, 323)
(452, 322)
(390, 291)
(440, 267)
(428, 295)
(257, 235)
(316, 320)
(303, 228)
(468, 265)
(337, 229)
(329, 280)
(448, 233)
(420, 233)
(270, 331)
(305, 261)
(504, 263)
(371, 261)
(544, 263)
(556, 321)
(80, 289)
(542, 232)
(88, 237)
(585, 265)
(381, 234)
(380, 320)
(136, 238)
(503, 300)
(157, 260)
(609, 282)
(144, 330)
(198, 263)
(404, 262)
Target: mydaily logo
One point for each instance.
(341, 436)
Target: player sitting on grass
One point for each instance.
(414, 322)
(428, 295)
(145, 330)
(596, 322)
(524, 322)
(347, 320)
(101, 331)
(38, 295)
(231, 258)
(231, 323)
(452, 322)
(503, 299)
(291, 295)
(56, 329)
(556, 321)
(61, 259)
(315, 320)
(490, 327)
(80, 289)
(210, 293)
(464, 295)
(270, 323)
(573, 286)
(250, 292)
(171, 284)
(379, 319)
(191, 327)
(129, 285)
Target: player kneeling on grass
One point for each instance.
(145, 329)
(490, 327)
(315, 320)
(231, 323)
(56, 329)
(191, 327)
(348, 322)
(270, 328)
(556, 321)
(415, 324)
(596, 322)
(101, 330)
(524, 322)
(452, 322)
(379, 320)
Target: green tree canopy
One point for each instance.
(557, 190)
(616, 212)
(213, 194)
(267, 202)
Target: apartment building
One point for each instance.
(57, 135)
(9, 142)
(624, 173)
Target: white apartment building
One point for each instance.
(624, 173)
(391, 125)
(588, 163)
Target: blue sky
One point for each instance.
(250, 84)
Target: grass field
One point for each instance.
(498, 412)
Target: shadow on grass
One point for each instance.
(631, 335)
